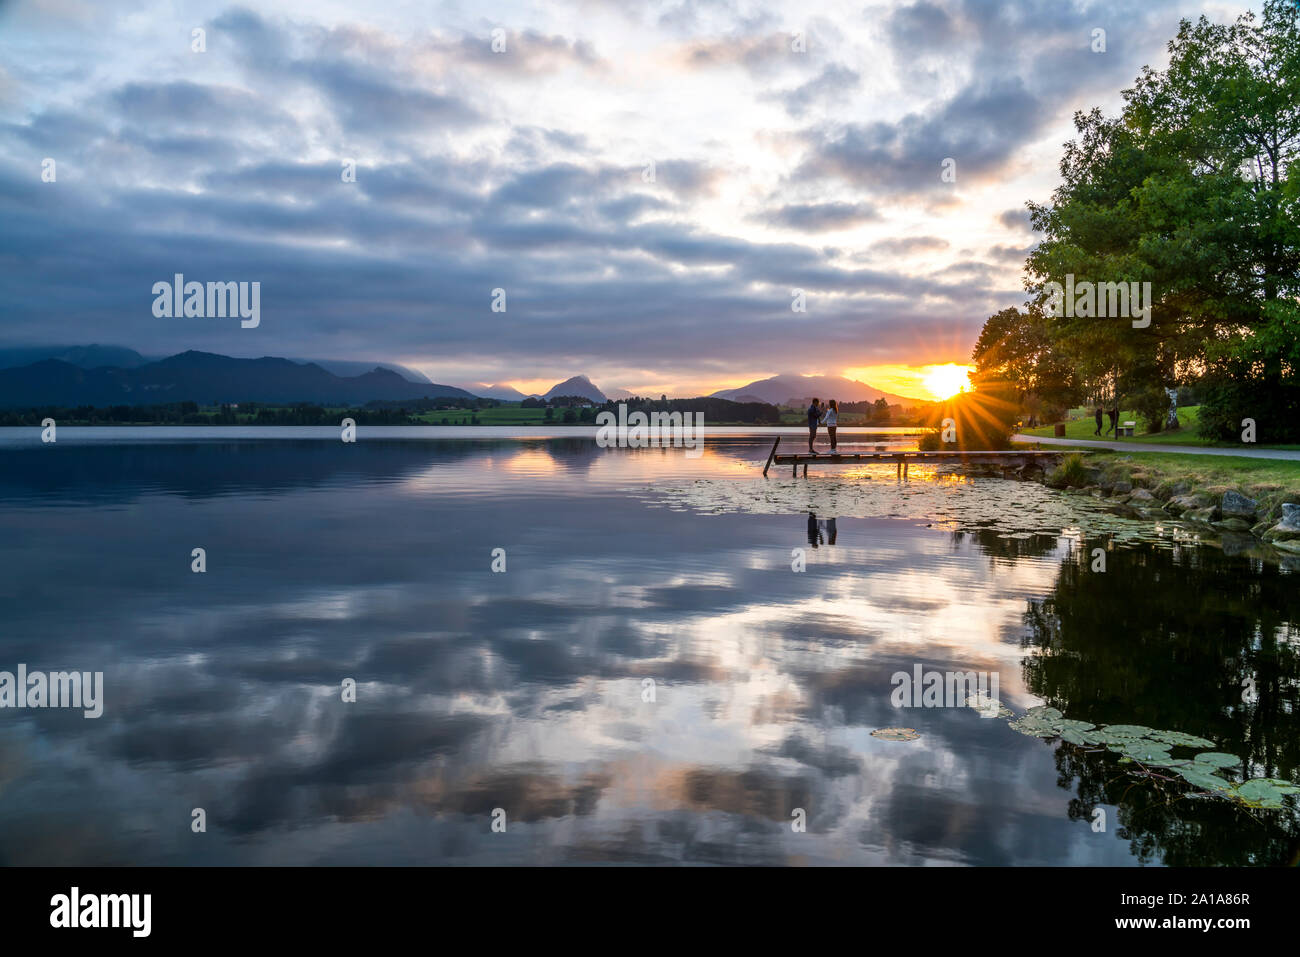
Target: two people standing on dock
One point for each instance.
(817, 415)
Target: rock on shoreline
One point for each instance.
(1272, 516)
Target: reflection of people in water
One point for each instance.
(821, 531)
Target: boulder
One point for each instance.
(1207, 515)
(1167, 489)
(1121, 488)
(1181, 503)
(1286, 530)
(1236, 505)
(1140, 496)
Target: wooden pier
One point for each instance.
(903, 458)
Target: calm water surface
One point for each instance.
(525, 690)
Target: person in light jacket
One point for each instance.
(830, 417)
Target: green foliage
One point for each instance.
(1152, 406)
(1071, 473)
(1193, 188)
(1147, 748)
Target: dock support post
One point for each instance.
(794, 470)
(904, 468)
(771, 455)
(805, 470)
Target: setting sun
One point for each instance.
(943, 382)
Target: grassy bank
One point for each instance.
(1195, 488)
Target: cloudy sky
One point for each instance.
(794, 146)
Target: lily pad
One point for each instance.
(1027, 725)
(895, 734)
(1202, 778)
(1181, 740)
(1128, 730)
(1074, 737)
(1044, 712)
(1105, 737)
(1260, 792)
(1148, 752)
(1217, 759)
(988, 707)
(1073, 725)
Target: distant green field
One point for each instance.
(1188, 417)
(502, 415)
(1084, 428)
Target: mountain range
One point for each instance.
(205, 378)
(791, 388)
(114, 375)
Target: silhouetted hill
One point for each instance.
(578, 385)
(84, 357)
(782, 388)
(205, 378)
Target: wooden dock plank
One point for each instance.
(799, 458)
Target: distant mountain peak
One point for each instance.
(576, 385)
(780, 389)
(207, 378)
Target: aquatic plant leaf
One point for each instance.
(987, 706)
(1068, 734)
(1217, 759)
(895, 734)
(1028, 725)
(1179, 739)
(1262, 791)
(1105, 737)
(1044, 712)
(1128, 730)
(1073, 725)
(1148, 752)
(1202, 778)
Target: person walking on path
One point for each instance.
(1113, 414)
(1098, 432)
(814, 416)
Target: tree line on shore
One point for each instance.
(1193, 189)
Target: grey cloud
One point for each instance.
(904, 246)
(821, 217)
(1017, 219)
(829, 87)
(1004, 253)
(981, 129)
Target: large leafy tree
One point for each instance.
(1191, 189)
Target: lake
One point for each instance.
(646, 678)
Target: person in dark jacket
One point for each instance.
(1113, 415)
(1098, 432)
(814, 417)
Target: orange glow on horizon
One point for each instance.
(933, 382)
